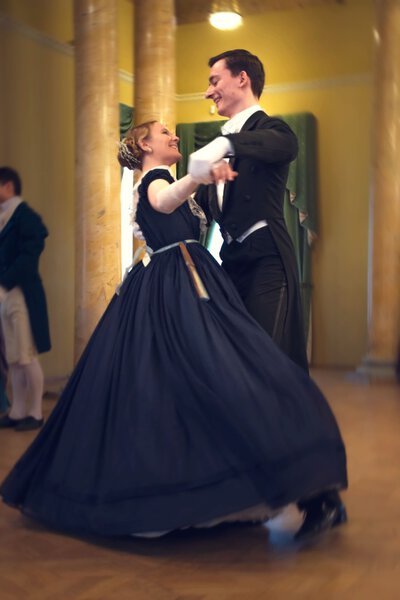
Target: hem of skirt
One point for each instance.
(166, 513)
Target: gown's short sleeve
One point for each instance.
(152, 176)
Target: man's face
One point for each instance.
(6, 191)
(225, 89)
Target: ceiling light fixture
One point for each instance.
(225, 15)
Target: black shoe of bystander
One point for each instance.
(7, 422)
(28, 424)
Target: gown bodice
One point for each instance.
(160, 229)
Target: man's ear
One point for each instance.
(244, 79)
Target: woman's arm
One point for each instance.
(166, 197)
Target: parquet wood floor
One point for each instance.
(360, 561)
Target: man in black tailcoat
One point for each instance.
(257, 252)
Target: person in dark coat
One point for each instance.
(23, 306)
(257, 252)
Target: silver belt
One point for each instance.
(197, 282)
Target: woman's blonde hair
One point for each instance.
(130, 154)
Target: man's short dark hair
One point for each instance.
(8, 174)
(242, 60)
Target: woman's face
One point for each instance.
(163, 145)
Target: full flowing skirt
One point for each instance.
(179, 411)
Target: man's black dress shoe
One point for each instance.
(321, 518)
(7, 422)
(29, 423)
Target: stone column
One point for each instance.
(384, 264)
(97, 270)
(155, 28)
(155, 61)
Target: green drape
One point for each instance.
(300, 200)
(126, 116)
(192, 137)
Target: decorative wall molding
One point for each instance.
(355, 79)
(10, 24)
(299, 86)
(126, 76)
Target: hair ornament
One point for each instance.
(127, 155)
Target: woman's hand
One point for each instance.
(221, 172)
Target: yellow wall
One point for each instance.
(125, 49)
(317, 59)
(38, 123)
(51, 17)
(294, 45)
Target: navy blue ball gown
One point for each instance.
(179, 411)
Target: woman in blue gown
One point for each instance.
(181, 410)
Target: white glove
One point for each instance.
(201, 161)
(168, 198)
